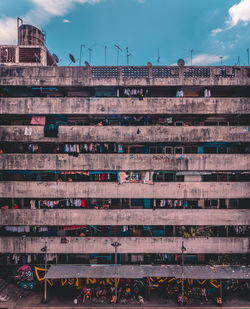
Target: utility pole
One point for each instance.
(158, 57)
(115, 245)
(105, 53)
(118, 53)
(81, 47)
(44, 249)
(128, 55)
(191, 60)
(90, 51)
(182, 269)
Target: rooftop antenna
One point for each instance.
(191, 54)
(128, 55)
(247, 50)
(90, 51)
(191, 57)
(72, 58)
(238, 61)
(81, 47)
(221, 60)
(105, 53)
(158, 57)
(118, 53)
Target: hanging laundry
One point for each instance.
(120, 148)
(51, 130)
(38, 120)
(27, 131)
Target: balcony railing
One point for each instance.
(83, 245)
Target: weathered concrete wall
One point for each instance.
(129, 134)
(178, 190)
(128, 245)
(104, 106)
(109, 162)
(212, 217)
(82, 76)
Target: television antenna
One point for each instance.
(118, 53)
(158, 57)
(81, 47)
(128, 55)
(192, 51)
(105, 54)
(90, 52)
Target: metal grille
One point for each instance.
(105, 72)
(29, 54)
(7, 54)
(165, 72)
(135, 72)
(226, 72)
(197, 72)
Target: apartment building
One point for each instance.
(155, 159)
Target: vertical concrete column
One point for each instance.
(119, 77)
(17, 54)
(43, 56)
(149, 70)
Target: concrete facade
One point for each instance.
(229, 82)
(95, 76)
(168, 190)
(82, 245)
(199, 217)
(104, 106)
(126, 162)
(131, 134)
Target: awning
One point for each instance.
(142, 271)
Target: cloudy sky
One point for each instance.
(211, 28)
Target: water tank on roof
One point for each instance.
(30, 36)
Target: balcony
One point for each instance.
(82, 245)
(124, 76)
(197, 217)
(115, 162)
(104, 106)
(129, 134)
(168, 190)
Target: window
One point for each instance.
(178, 150)
(169, 150)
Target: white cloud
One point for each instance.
(240, 12)
(39, 15)
(58, 7)
(8, 31)
(215, 31)
(66, 21)
(206, 59)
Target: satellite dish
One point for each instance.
(55, 58)
(180, 63)
(72, 58)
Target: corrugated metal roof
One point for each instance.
(141, 271)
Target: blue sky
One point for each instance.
(212, 28)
